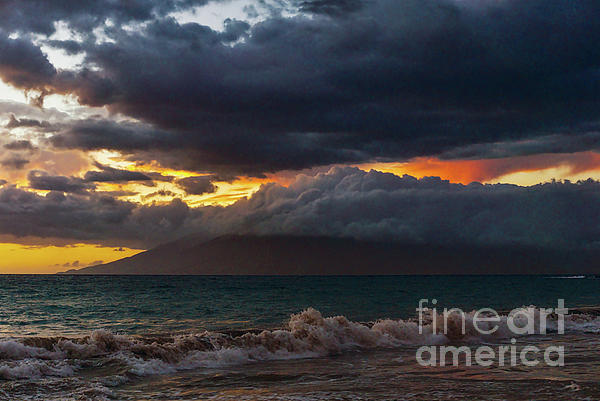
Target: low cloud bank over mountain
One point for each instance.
(344, 202)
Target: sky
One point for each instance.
(124, 125)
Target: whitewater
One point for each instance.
(226, 338)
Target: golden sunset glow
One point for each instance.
(522, 170)
(24, 259)
(227, 192)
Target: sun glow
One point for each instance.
(9, 93)
(520, 170)
(24, 259)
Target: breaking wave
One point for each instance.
(307, 335)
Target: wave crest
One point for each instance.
(307, 334)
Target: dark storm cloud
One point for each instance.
(19, 145)
(23, 64)
(388, 79)
(15, 122)
(159, 177)
(234, 30)
(197, 185)
(14, 162)
(95, 134)
(355, 81)
(43, 181)
(109, 174)
(71, 47)
(94, 218)
(353, 203)
(162, 192)
(343, 202)
(39, 16)
(229, 155)
(576, 142)
(331, 7)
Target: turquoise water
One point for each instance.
(74, 305)
(278, 338)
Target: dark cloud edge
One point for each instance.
(344, 202)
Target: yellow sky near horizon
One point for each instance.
(26, 259)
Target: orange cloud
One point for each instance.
(562, 166)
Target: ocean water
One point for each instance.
(282, 338)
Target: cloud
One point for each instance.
(19, 145)
(371, 205)
(234, 30)
(332, 81)
(330, 7)
(40, 16)
(23, 64)
(197, 185)
(30, 115)
(41, 180)
(351, 82)
(571, 143)
(77, 264)
(14, 162)
(464, 171)
(344, 202)
(95, 134)
(94, 218)
(26, 122)
(162, 192)
(110, 174)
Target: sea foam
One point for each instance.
(306, 335)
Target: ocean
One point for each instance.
(287, 338)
